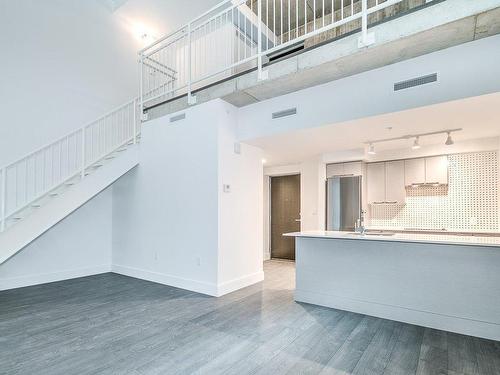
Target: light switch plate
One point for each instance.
(237, 148)
(227, 188)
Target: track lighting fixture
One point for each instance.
(416, 143)
(449, 140)
(415, 137)
(371, 149)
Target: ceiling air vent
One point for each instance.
(285, 113)
(180, 117)
(415, 82)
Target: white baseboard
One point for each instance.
(267, 256)
(178, 282)
(44, 278)
(242, 282)
(455, 324)
(161, 278)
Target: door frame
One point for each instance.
(267, 205)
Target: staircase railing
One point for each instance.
(34, 176)
(237, 35)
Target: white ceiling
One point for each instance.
(112, 5)
(479, 117)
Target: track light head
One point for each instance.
(416, 144)
(449, 140)
(371, 149)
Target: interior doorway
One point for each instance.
(285, 215)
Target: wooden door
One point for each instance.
(285, 215)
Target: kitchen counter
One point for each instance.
(447, 282)
(446, 239)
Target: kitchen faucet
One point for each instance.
(359, 224)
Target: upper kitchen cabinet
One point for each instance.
(414, 172)
(344, 169)
(432, 170)
(386, 182)
(436, 170)
(376, 181)
(395, 191)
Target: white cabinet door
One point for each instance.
(414, 171)
(376, 183)
(354, 169)
(334, 170)
(395, 191)
(436, 170)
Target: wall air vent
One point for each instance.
(285, 113)
(415, 82)
(287, 52)
(180, 117)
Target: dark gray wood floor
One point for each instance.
(111, 324)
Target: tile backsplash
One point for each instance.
(468, 203)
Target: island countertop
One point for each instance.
(445, 239)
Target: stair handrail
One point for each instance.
(268, 36)
(85, 151)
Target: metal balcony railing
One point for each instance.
(39, 175)
(238, 35)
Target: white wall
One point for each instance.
(312, 200)
(64, 63)
(171, 222)
(165, 225)
(240, 210)
(80, 245)
(312, 196)
(371, 93)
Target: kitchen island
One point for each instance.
(448, 282)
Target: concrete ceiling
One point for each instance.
(478, 116)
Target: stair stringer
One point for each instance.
(23, 233)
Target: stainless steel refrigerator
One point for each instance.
(343, 202)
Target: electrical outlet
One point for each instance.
(156, 255)
(198, 261)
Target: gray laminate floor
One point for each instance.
(111, 324)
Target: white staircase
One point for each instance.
(45, 186)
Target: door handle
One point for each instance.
(298, 220)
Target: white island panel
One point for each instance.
(443, 286)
